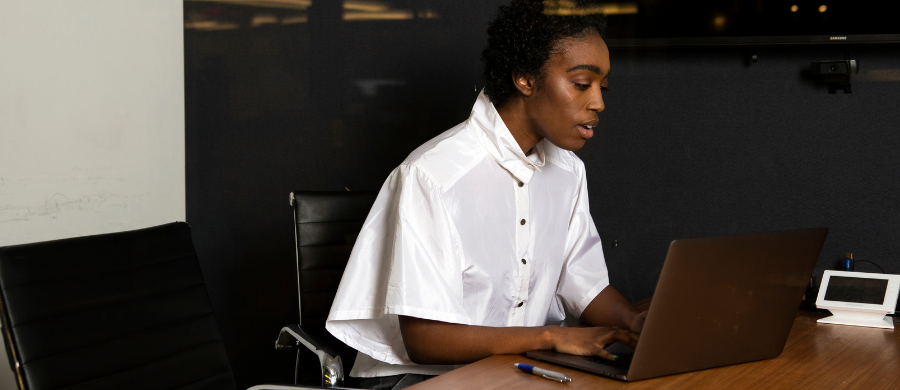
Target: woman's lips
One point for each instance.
(586, 132)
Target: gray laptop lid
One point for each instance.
(724, 300)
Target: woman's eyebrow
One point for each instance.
(593, 68)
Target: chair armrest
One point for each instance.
(292, 336)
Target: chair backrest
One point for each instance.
(326, 226)
(124, 310)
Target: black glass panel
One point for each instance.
(733, 18)
(856, 290)
(285, 95)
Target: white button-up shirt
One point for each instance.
(469, 230)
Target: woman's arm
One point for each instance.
(610, 308)
(435, 342)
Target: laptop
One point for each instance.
(719, 301)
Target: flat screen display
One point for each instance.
(856, 290)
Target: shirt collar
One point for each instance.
(494, 136)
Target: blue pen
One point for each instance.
(546, 374)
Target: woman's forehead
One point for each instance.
(586, 52)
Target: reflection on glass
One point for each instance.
(358, 10)
(262, 19)
(293, 4)
(569, 7)
(212, 15)
(667, 19)
(719, 23)
(294, 19)
(428, 14)
(210, 25)
(369, 87)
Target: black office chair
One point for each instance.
(112, 311)
(122, 310)
(325, 228)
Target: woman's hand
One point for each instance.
(637, 324)
(591, 341)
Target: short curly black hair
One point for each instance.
(520, 40)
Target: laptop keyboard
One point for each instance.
(622, 362)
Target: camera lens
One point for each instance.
(833, 68)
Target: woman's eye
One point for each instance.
(582, 87)
(604, 89)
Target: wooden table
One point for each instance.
(817, 356)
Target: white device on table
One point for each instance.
(858, 298)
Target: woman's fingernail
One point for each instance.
(615, 356)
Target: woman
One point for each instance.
(481, 242)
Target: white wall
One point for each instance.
(91, 119)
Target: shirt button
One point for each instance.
(521, 184)
(522, 222)
(520, 304)
(524, 262)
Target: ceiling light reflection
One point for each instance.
(369, 87)
(261, 19)
(619, 8)
(295, 19)
(719, 22)
(427, 14)
(385, 15)
(366, 6)
(356, 10)
(823, 8)
(567, 8)
(292, 4)
(211, 25)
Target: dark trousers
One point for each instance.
(395, 382)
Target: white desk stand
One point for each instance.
(858, 318)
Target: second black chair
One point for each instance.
(111, 311)
(325, 228)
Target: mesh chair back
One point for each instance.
(114, 311)
(326, 226)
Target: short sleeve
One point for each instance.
(406, 261)
(584, 274)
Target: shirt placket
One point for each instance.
(523, 261)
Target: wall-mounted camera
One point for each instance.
(835, 73)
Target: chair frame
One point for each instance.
(293, 336)
(12, 349)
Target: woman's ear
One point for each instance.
(524, 83)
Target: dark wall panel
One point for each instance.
(319, 105)
(694, 142)
(704, 142)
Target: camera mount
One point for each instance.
(835, 73)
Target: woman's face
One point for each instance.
(564, 105)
